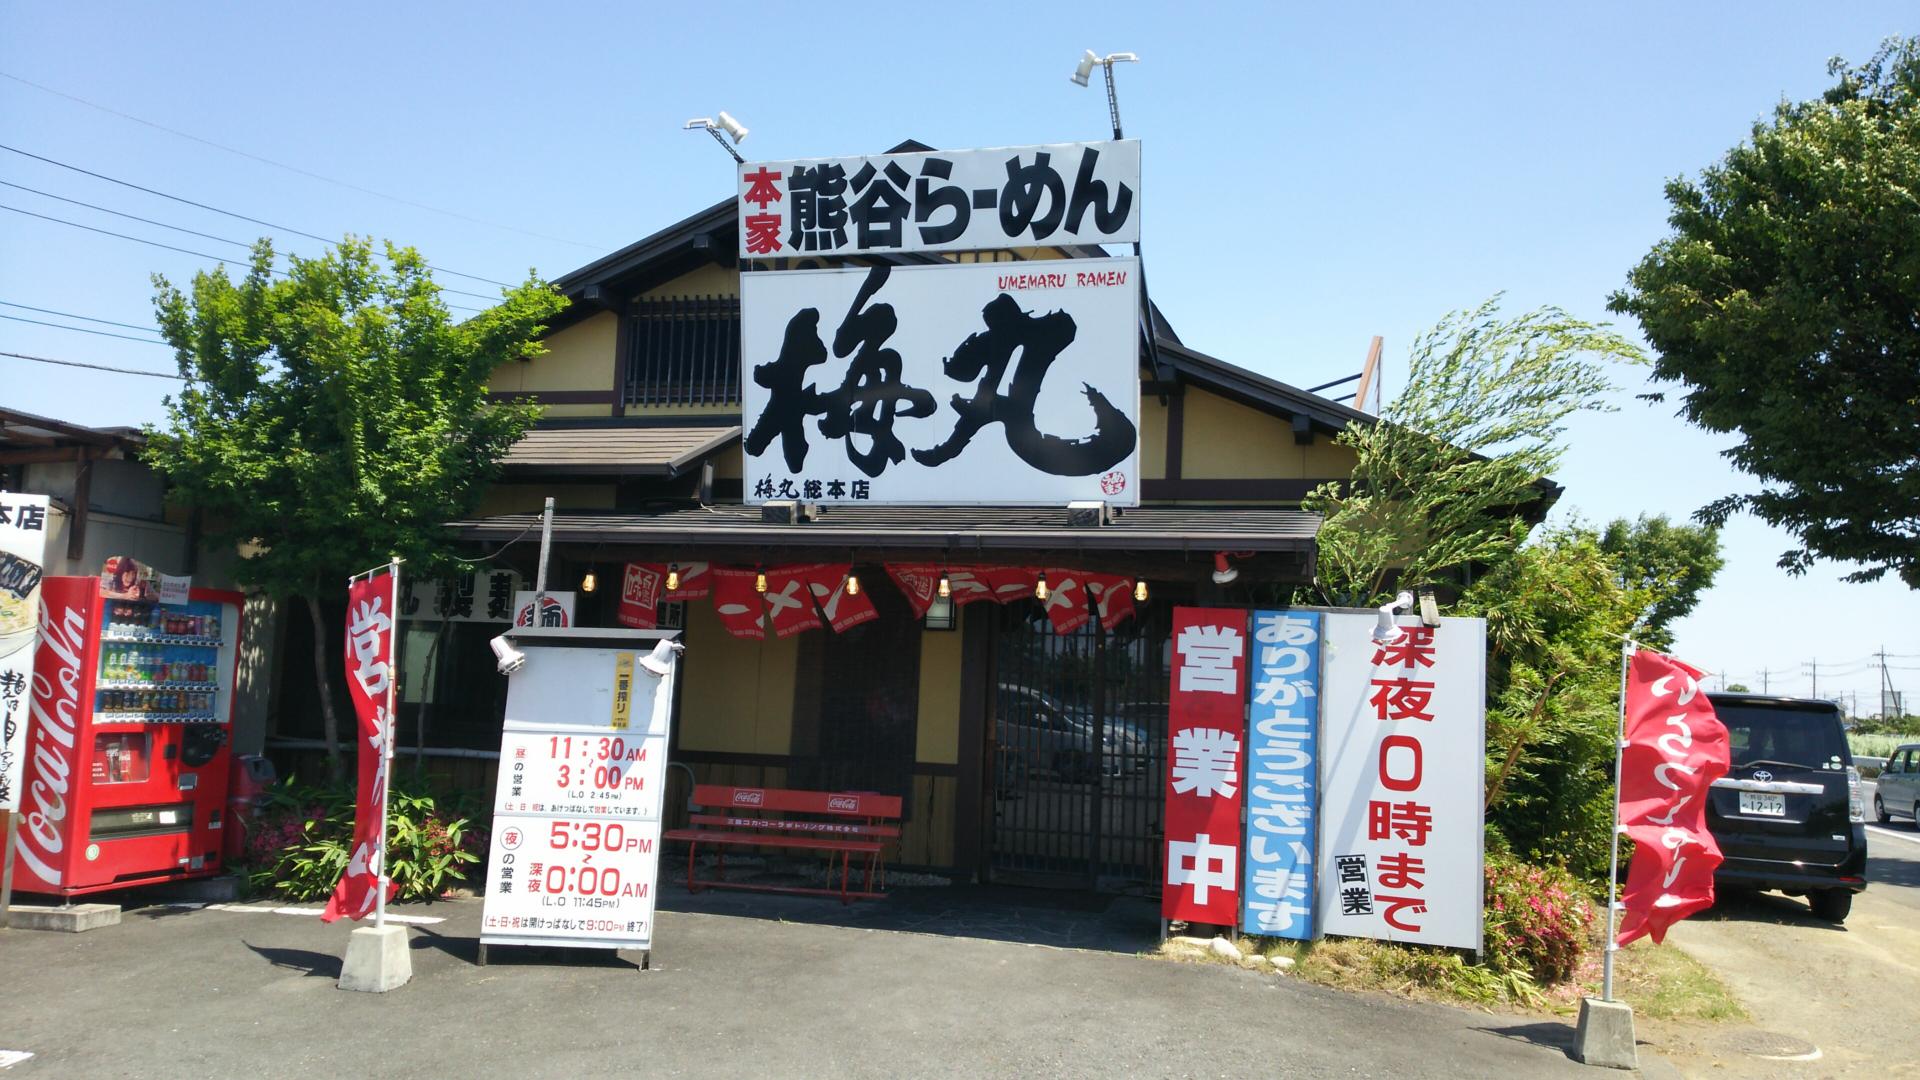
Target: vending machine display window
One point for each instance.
(122, 757)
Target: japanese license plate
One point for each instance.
(1763, 803)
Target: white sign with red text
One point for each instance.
(574, 854)
(23, 545)
(1402, 768)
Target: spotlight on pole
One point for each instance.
(715, 128)
(1081, 73)
(1084, 71)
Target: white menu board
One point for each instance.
(23, 546)
(575, 852)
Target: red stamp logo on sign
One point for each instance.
(510, 838)
(1114, 482)
(748, 797)
(843, 804)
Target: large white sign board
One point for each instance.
(1402, 768)
(574, 858)
(1014, 197)
(24, 521)
(962, 383)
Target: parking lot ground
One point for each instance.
(1825, 1000)
(219, 992)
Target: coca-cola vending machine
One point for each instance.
(128, 745)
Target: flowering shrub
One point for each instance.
(1538, 919)
(298, 846)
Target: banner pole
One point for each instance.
(1613, 873)
(386, 748)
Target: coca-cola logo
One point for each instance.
(843, 804)
(748, 797)
(51, 739)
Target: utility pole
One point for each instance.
(1885, 683)
(1766, 685)
(1813, 670)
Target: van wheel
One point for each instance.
(1880, 810)
(1831, 904)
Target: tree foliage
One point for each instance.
(336, 415)
(1785, 303)
(1440, 479)
(1669, 564)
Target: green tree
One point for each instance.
(1670, 564)
(1440, 482)
(1738, 688)
(336, 416)
(1556, 612)
(1784, 303)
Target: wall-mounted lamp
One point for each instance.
(1223, 571)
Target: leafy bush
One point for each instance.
(298, 846)
(1537, 920)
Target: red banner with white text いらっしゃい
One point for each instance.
(1675, 749)
(370, 674)
(1206, 728)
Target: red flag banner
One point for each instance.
(1009, 583)
(1207, 727)
(918, 582)
(1675, 749)
(970, 583)
(1112, 598)
(370, 670)
(1066, 601)
(640, 589)
(790, 599)
(737, 603)
(842, 610)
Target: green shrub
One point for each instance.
(1538, 919)
(298, 846)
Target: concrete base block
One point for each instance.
(1605, 1035)
(213, 890)
(378, 960)
(72, 919)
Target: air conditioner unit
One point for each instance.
(1089, 515)
(788, 513)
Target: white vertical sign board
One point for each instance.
(1402, 769)
(574, 858)
(23, 549)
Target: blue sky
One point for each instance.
(1312, 178)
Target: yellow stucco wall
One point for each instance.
(580, 357)
(738, 695)
(706, 281)
(938, 739)
(1225, 440)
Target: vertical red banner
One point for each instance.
(371, 609)
(1206, 731)
(1676, 748)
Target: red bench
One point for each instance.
(846, 823)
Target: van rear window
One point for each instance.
(1809, 738)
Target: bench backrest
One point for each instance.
(851, 804)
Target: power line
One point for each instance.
(184, 251)
(293, 168)
(124, 214)
(93, 367)
(82, 329)
(71, 315)
(214, 209)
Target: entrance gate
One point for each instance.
(1078, 735)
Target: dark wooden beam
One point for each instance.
(557, 397)
(1176, 434)
(82, 495)
(1302, 429)
(1197, 490)
(971, 797)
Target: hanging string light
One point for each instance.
(673, 577)
(587, 584)
(760, 581)
(1040, 589)
(946, 588)
(1140, 591)
(853, 583)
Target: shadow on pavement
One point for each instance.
(1065, 919)
(1554, 1036)
(1893, 871)
(467, 950)
(1775, 908)
(305, 961)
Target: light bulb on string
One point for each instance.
(760, 581)
(1140, 591)
(853, 584)
(588, 583)
(946, 587)
(1040, 589)
(673, 577)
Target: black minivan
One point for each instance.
(1787, 815)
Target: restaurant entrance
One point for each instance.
(1078, 734)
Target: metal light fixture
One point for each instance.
(660, 661)
(588, 583)
(715, 127)
(1084, 71)
(945, 588)
(1040, 589)
(673, 577)
(506, 658)
(1140, 591)
(760, 581)
(1223, 571)
(1386, 630)
(853, 583)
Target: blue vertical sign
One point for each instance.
(1283, 717)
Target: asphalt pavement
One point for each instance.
(233, 991)
(1825, 1000)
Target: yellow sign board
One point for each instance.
(622, 690)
